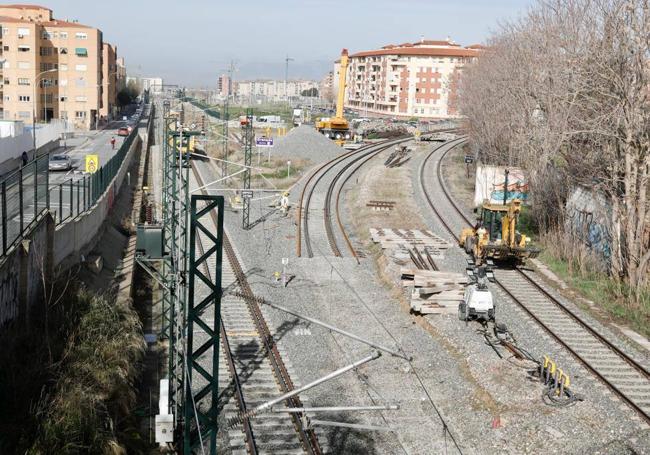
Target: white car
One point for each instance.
(60, 163)
(478, 304)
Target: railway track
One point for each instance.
(346, 164)
(622, 374)
(254, 367)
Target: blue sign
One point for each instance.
(264, 141)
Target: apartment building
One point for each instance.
(54, 69)
(109, 81)
(224, 86)
(271, 90)
(408, 80)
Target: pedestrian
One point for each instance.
(25, 158)
(113, 142)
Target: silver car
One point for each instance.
(60, 163)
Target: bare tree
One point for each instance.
(563, 93)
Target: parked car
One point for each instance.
(60, 163)
(124, 131)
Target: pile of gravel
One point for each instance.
(306, 143)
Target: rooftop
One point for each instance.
(432, 48)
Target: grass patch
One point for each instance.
(585, 274)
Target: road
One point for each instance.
(66, 189)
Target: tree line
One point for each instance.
(563, 92)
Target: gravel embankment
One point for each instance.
(306, 143)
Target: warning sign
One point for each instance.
(92, 163)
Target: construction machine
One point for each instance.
(495, 235)
(337, 127)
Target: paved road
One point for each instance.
(68, 193)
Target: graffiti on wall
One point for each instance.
(491, 185)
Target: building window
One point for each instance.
(64, 115)
(49, 66)
(80, 114)
(5, 31)
(25, 98)
(63, 67)
(24, 48)
(46, 51)
(6, 82)
(63, 99)
(81, 52)
(23, 65)
(81, 99)
(63, 35)
(80, 82)
(63, 82)
(24, 114)
(47, 99)
(22, 32)
(46, 35)
(80, 67)
(81, 35)
(23, 81)
(63, 50)
(6, 48)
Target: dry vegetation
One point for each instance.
(563, 92)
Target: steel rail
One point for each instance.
(331, 237)
(325, 168)
(307, 435)
(567, 311)
(329, 228)
(304, 189)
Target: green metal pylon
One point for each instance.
(203, 319)
(247, 194)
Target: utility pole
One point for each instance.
(225, 117)
(247, 193)
(286, 76)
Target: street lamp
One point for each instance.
(34, 107)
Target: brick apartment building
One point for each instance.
(56, 68)
(408, 80)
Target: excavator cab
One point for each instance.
(495, 235)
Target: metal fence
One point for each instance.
(26, 193)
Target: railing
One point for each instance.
(26, 193)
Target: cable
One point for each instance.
(415, 373)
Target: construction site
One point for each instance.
(439, 249)
(331, 294)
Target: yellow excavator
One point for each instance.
(495, 235)
(337, 128)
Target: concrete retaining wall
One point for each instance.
(75, 236)
(47, 246)
(21, 272)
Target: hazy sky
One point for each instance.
(190, 42)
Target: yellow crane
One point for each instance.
(337, 127)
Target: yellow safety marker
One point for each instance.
(92, 163)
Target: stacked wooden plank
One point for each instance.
(406, 238)
(434, 292)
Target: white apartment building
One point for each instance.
(408, 80)
(271, 90)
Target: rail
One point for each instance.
(570, 314)
(307, 435)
